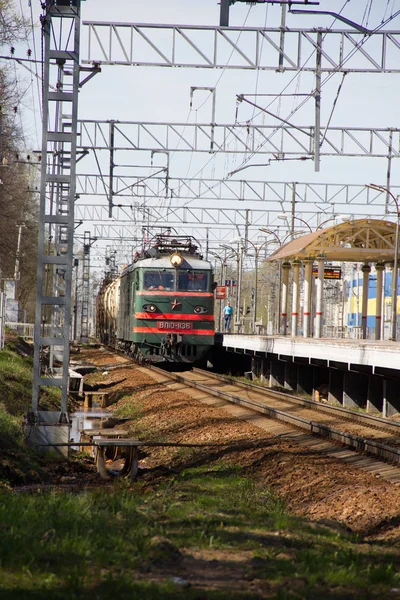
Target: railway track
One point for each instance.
(374, 442)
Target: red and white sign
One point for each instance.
(220, 292)
(173, 326)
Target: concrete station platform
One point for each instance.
(352, 373)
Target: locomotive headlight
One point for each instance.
(150, 307)
(200, 309)
(176, 260)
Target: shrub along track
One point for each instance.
(313, 483)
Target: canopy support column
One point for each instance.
(319, 297)
(308, 264)
(365, 271)
(379, 267)
(285, 296)
(295, 296)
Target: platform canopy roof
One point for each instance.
(363, 240)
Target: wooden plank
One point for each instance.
(105, 432)
(100, 441)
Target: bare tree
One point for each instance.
(18, 172)
(12, 26)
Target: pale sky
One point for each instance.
(163, 94)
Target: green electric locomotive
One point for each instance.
(165, 305)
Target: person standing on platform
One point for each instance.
(228, 311)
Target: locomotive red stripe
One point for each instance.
(182, 332)
(176, 294)
(173, 316)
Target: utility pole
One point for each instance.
(18, 253)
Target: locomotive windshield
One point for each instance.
(187, 280)
(192, 281)
(158, 280)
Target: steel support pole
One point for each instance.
(224, 13)
(85, 287)
(255, 294)
(366, 269)
(389, 170)
(284, 297)
(395, 284)
(61, 70)
(223, 278)
(379, 267)
(293, 216)
(239, 288)
(308, 264)
(317, 102)
(112, 164)
(282, 38)
(295, 296)
(277, 312)
(76, 265)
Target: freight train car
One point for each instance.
(161, 307)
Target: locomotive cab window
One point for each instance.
(193, 281)
(158, 280)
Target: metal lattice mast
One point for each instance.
(87, 243)
(61, 27)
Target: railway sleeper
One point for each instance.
(357, 443)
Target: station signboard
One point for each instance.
(220, 292)
(329, 272)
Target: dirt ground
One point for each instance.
(311, 484)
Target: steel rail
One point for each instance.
(369, 420)
(354, 442)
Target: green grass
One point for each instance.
(129, 410)
(15, 381)
(129, 542)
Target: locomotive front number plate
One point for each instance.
(174, 325)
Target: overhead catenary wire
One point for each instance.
(215, 86)
(328, 77)
(346, 59)
(277, 129)
(333, 109)
(301, 69)
(163, 201)
(367, 12)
